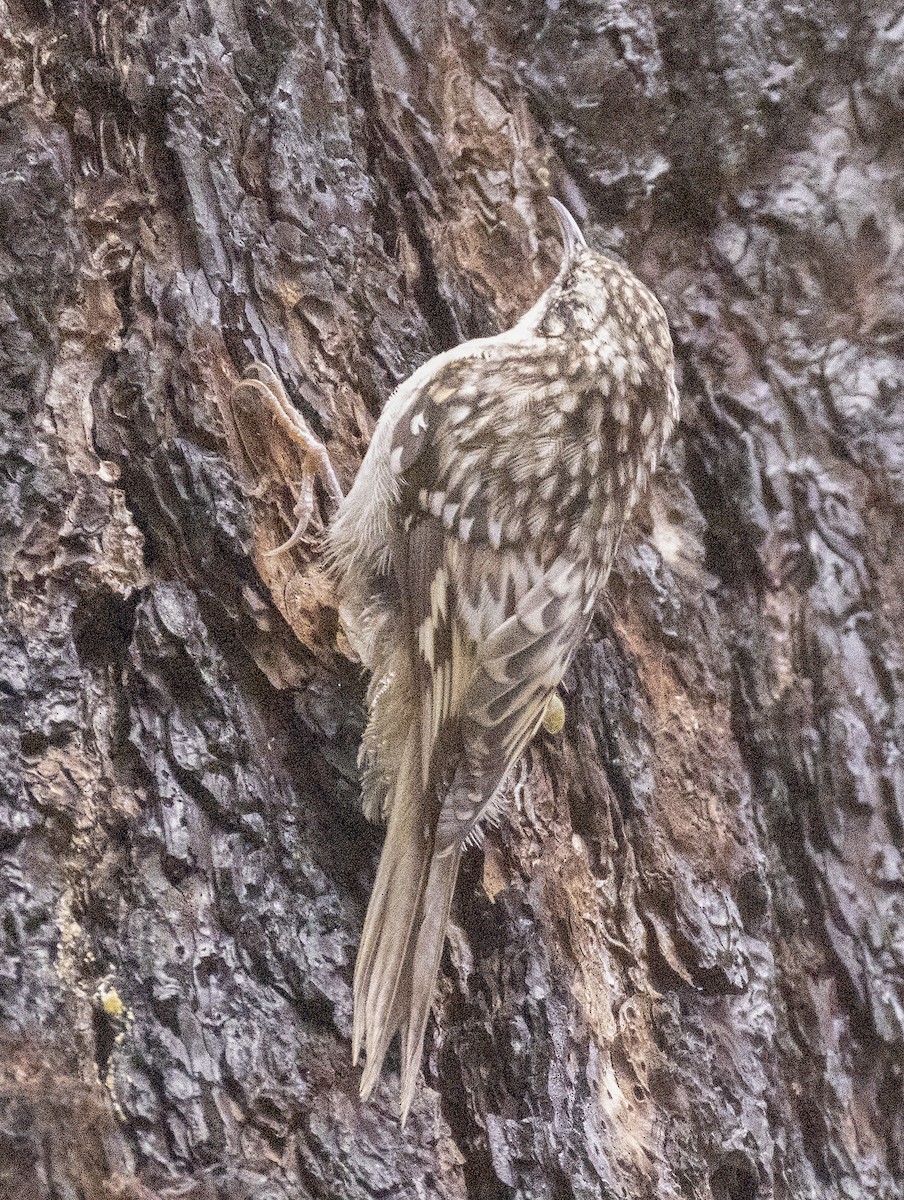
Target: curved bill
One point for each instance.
(572, 238)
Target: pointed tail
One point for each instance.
(403, 937)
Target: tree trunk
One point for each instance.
(677, 966)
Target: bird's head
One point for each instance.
(599, 303)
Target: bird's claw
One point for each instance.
(263, 383)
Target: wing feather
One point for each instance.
(494, 616)
(494, 631)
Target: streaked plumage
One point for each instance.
(468, 556)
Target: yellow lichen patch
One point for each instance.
(108, 1000)
(111, 1002)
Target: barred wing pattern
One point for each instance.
(493, 632)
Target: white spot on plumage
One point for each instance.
(574, 459)
(547, 488)
(560, 576)
(620, 411)
(439, 595)
(532, 620)
(418, 423)
(439, 699)
(425, 640)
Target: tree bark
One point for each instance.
(677, 966)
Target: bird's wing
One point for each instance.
(529, 622)
(493, 633)
(491, 627)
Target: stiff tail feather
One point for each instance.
(402, 942)
(434, 917)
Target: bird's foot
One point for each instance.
(265, 385)
(554, 715)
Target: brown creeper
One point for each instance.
(468, 556)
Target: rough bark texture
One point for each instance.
(678, 967)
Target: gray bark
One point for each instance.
(677, 967)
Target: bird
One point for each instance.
(468, 557)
